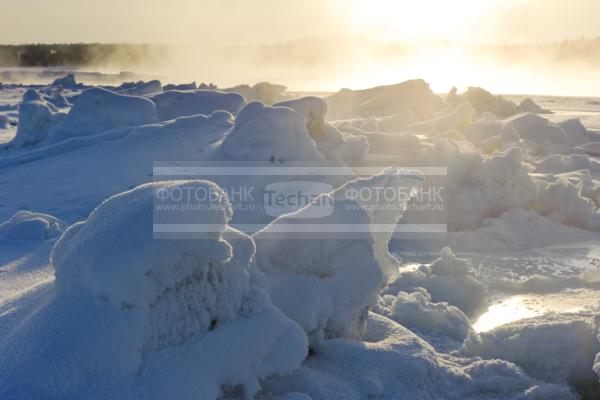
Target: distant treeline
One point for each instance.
(77, 54)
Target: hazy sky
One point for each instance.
(269, 21)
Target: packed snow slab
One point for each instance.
(96, 110)
(26, 225)
(334, 275)
(178, 103)
(153, 318)
(414, 96)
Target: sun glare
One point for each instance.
(393, 20)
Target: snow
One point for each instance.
(414, 96)
(334, 279)
(292, 312)
(335, 145)
(124, 304)
(273, 134)
(527, 343)
(416, 312)
(26, 225)
(97, 110)
(144, 88)
(448, 279)
(516, 230)
(177, 103)
(36, 118)
(66, 81)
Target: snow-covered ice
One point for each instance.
(93, 304)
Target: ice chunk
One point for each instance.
(333, 278)
(176, 103)
(414, 96)
(144, 88)
(66, 81)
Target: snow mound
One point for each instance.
(416, 312)
(153, 318)
(327, 284)
(274, 134)
(176, 103)
(26, 225)
(97, 110)
(448, 279)
(557, 348)
(36, 118)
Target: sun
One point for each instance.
(402, 20)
